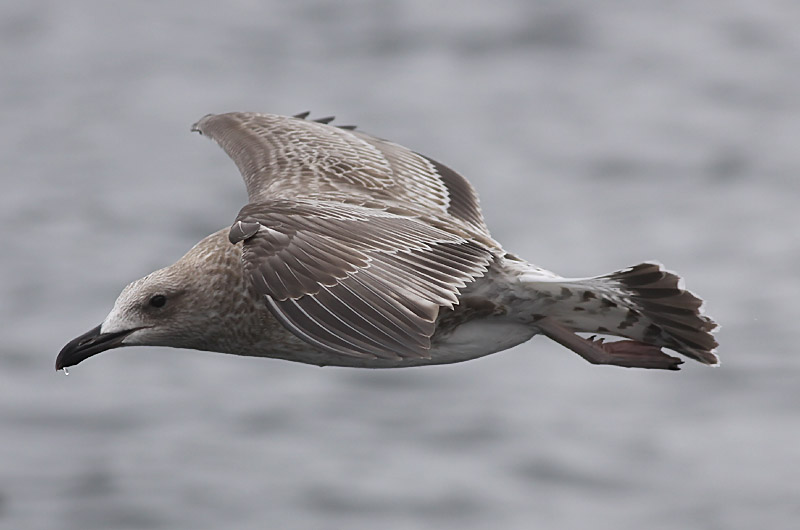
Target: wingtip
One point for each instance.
(196, 125)
(325, 121)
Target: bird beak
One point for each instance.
(90, 343)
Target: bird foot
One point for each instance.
(634, 354)
(627, 353)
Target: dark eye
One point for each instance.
(158, 300)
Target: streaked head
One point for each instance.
(177, 306)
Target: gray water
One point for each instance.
(599, 133)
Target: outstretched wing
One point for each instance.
(354, 280)
(288, 157)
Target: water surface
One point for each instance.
(599, 134)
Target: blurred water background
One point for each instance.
(599, 134)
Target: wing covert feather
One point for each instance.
(353, 280)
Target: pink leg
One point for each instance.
(628, 353)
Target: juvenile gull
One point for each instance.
(355, 251)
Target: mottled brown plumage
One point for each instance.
(356, 251)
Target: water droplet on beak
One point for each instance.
(66, 372)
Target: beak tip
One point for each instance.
(90, 343)
(60, 361)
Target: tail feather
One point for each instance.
(675, 313)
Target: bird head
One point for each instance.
(185, 305)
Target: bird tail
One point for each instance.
(644, 303)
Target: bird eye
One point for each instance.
(158, 300)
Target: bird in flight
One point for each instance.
(356, 251)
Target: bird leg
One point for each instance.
(628, 353)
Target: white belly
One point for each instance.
(469, 341)
(478, 338)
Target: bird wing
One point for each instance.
(355, 280)
(290, 157)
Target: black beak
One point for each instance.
(90, 343)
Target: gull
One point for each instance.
(356, 251)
